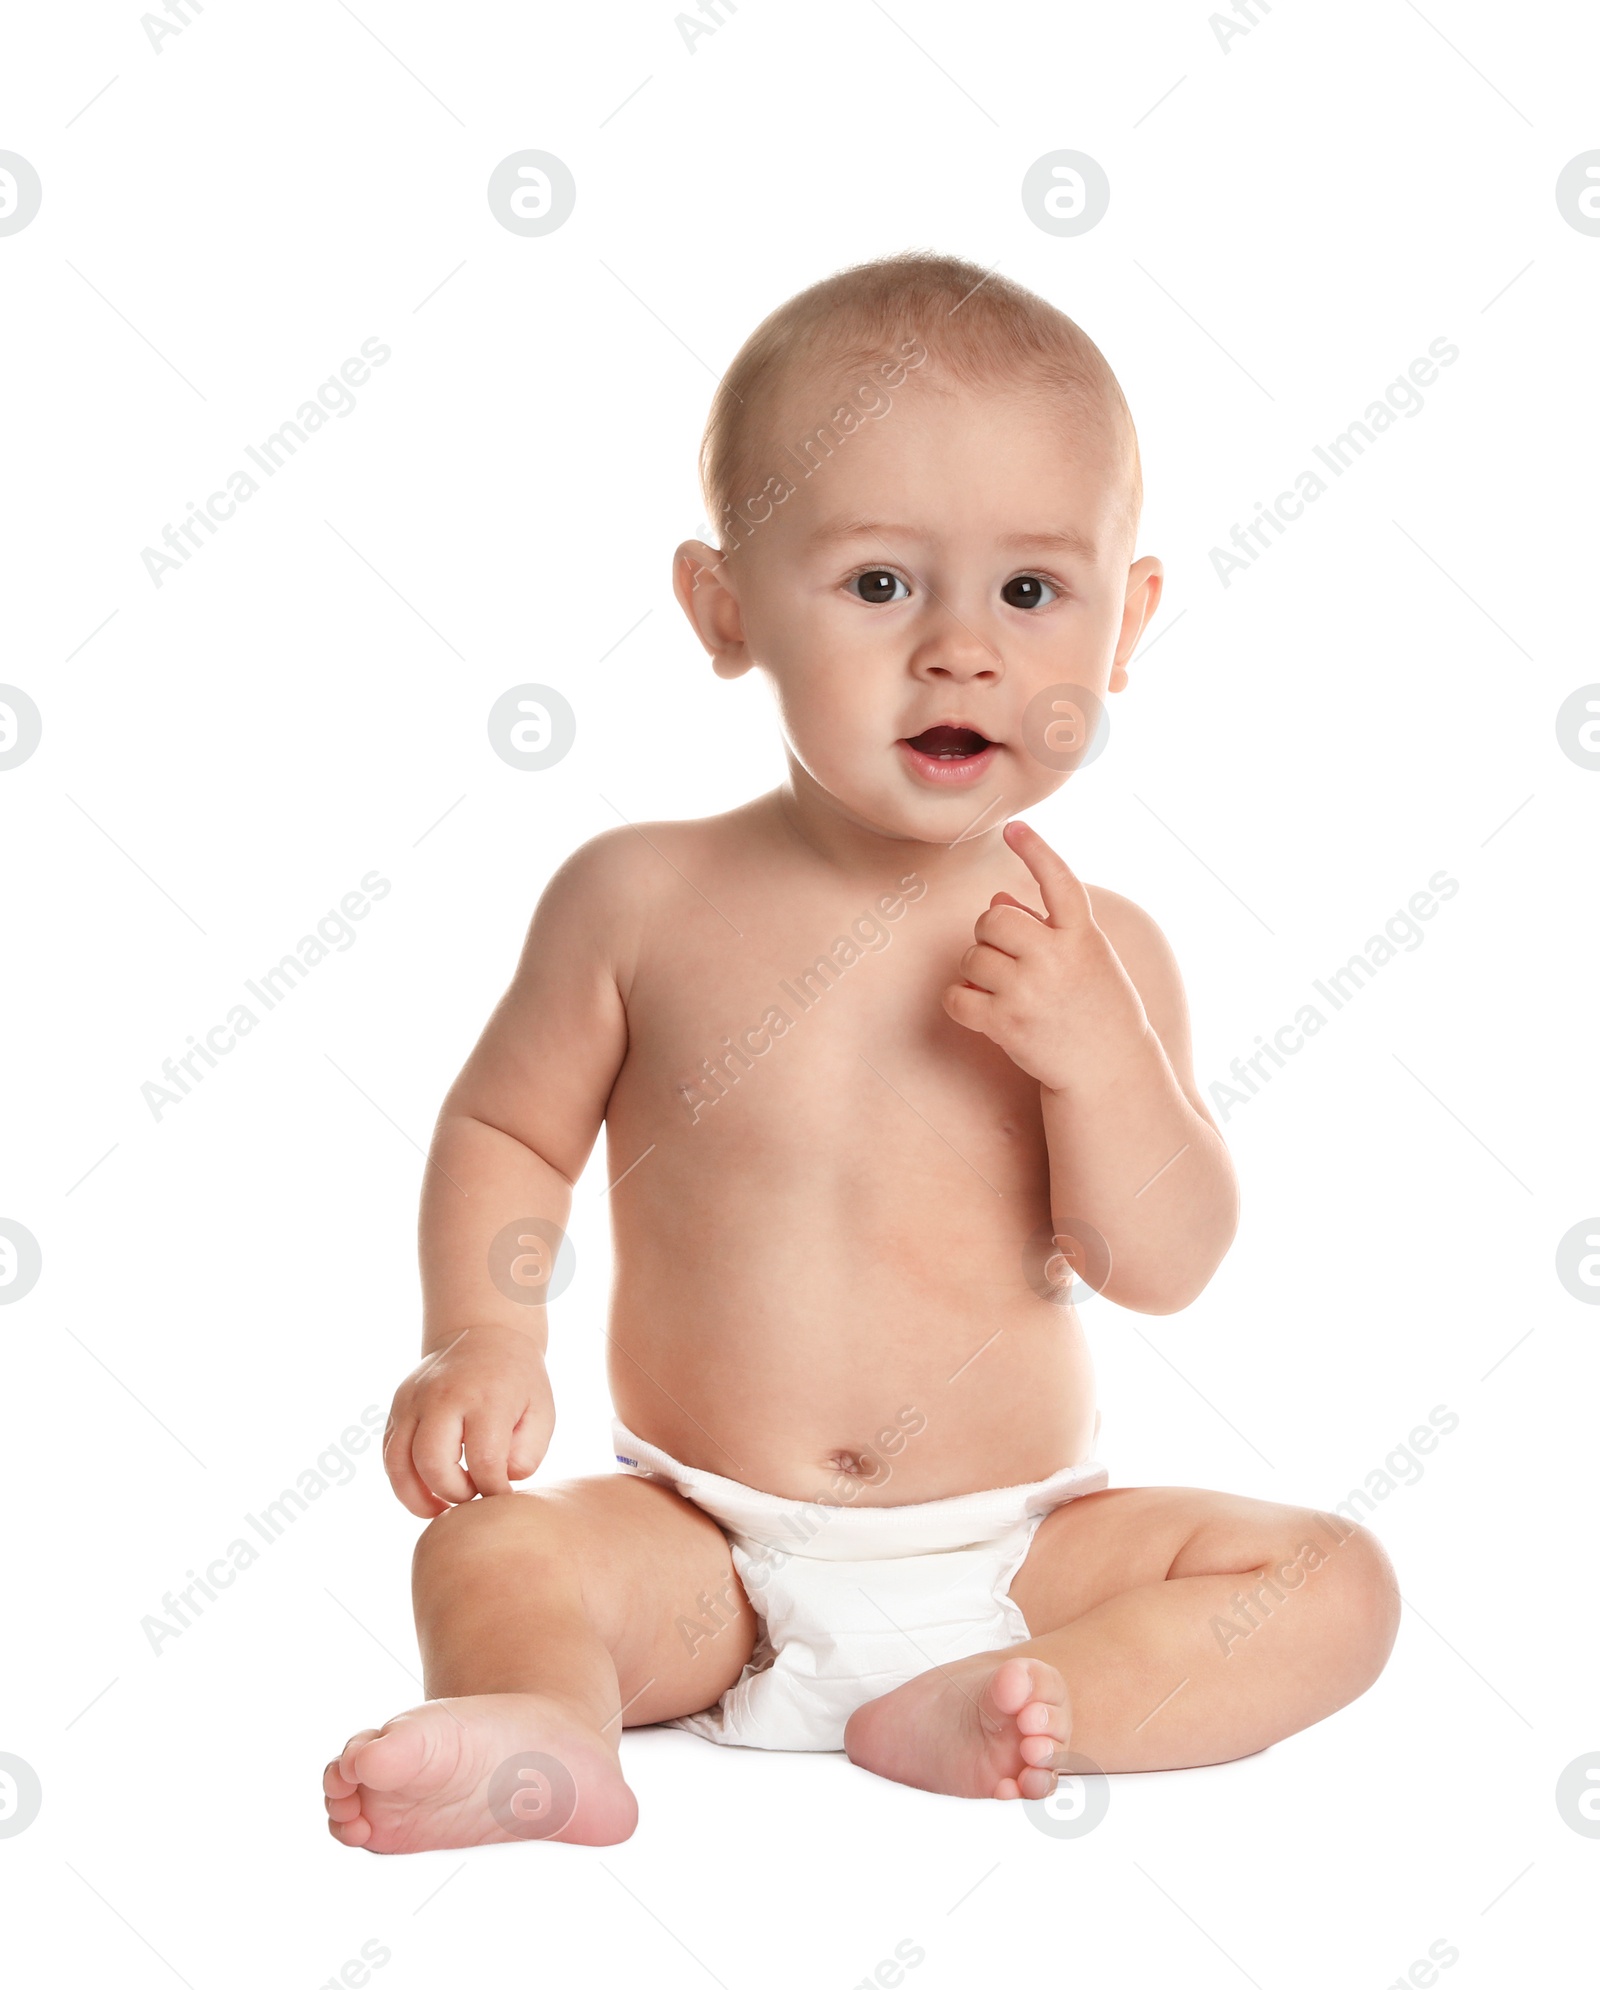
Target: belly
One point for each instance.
(826, 1277)
(852, 1412)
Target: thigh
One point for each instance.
(1103, 1543)
(652, 1573)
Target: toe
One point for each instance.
(1036, 1783)
(342, 1766)
(334, 1781)
(1011, 1686)
(1038, 1750)
(390, 1758)
(354, 1832)
(1006, 1789)
(342, 1809)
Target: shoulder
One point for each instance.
(610, 867)
(628, 883)
(635, 861)
(1131, 930)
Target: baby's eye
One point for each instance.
(877, 585)
(1027, 591)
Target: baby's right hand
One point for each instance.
(486, 1391)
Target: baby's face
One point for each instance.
(918, 599)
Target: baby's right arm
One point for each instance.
(512, 1137)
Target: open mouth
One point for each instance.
(949, 743)
(949, 754)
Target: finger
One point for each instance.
(412, 1494)
(437, 1452)
(971, 1007)
(1059, 886)
(1005, 898)
(488, 1440)
(986, 967)
(526, 1452)
(1001, 928)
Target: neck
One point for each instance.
(852, 846)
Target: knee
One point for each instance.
(1363, 1595)
(462, 1536)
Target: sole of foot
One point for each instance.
(485, 1770)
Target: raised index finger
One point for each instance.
(1059, 886)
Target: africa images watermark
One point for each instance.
(763, 1559)
(180, 15)
(1400, 397)
(277, 982)
(1339, 988)
(824, 973)
(274, 451)
(817, 445)
(334, 1466)
(711, 13)
(1246, 16)
(1402, 1467)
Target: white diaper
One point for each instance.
(854, 1600)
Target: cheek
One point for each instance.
(1085, 624)
(830, 710)
(835, 681)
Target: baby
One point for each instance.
(886, 1086)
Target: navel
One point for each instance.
(854, 1464)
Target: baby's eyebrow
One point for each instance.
(860, 528)
(1063, 542)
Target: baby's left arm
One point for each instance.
(1089, 1001)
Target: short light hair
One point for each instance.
(979, 330)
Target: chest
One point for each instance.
(827, 1020)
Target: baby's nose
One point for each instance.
(956, 649)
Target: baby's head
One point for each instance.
(926, 485)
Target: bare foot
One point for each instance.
(478, 1771)
(986, 1727)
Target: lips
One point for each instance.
(948, 755)
(949, 742)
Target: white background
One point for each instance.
(1292, 222)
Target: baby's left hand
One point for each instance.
(1050, 991)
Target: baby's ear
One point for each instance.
(700, 579)
(1145, 582)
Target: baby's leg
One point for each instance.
(1172, 1628)
(548, 1622)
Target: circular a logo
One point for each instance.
(1065, 193)
(1578, 1795)
(1079, 1801)
(532, 1795)
(531, 727)
(20, 726)
(1577, 723)
(532, 193)
(20, 193)
(1577, 193)
(1065, 726)
(20, 1263)
(1578, 1261)
(20, 1791)
(532, 1261)
(1066, 1261)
